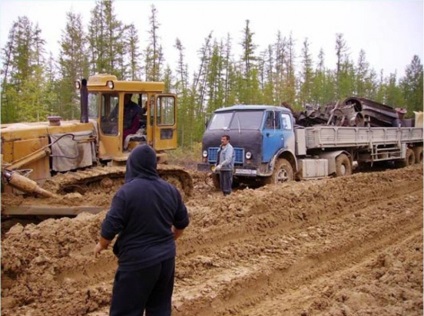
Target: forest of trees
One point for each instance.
(36, 84)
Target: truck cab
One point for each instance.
(261, 135)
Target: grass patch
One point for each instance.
(187, 156)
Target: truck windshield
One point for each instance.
(236, 120)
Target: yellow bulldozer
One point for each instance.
(57, 157)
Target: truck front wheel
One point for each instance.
(343, 166)
(283, 172)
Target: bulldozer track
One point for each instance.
(113, 177)
(84, 191)
(70, 181)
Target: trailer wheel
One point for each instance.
(409, 159)
(343, 166)
(283, 172)
(418, 153)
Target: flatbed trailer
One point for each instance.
(381, 143)
(333, 136)
(365, 145)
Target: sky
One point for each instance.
(390, 32)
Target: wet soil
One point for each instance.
(338, 246)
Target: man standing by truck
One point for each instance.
(225, 165)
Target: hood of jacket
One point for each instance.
(141, 163)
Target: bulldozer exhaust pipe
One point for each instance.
(84, 101)
(25, 184)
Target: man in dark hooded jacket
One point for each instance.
(149, 215)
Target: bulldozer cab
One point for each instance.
(129, 113)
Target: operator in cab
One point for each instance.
(132, 115)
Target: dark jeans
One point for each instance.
(226, 181)
(148, 289)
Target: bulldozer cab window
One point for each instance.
(141, 100)
(165, 110)
(93, 109)
(109, 110)
(131, 114)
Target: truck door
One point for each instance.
(272, 135)
(164, 122)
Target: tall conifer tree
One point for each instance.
(73, 64)
(412, 85)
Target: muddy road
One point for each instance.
(338, 246)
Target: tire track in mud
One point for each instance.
(232, 222)
(240, 255)
(358, 205)
(288, 273)
(311, 297)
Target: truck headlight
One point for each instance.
(205, 153)
(248, 155)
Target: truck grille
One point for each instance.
(213, 155)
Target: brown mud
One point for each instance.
(338, 246)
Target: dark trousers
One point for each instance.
(226, 181)
(148, 289)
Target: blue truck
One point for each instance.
(270, 148)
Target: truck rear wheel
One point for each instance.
(283, 172)
(418, 153)
(409, 159)
(343, 166)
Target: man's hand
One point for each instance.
(101, 245)
(177, 232)
(217, 168)
(97, 249)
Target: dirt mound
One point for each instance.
(342, 246)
